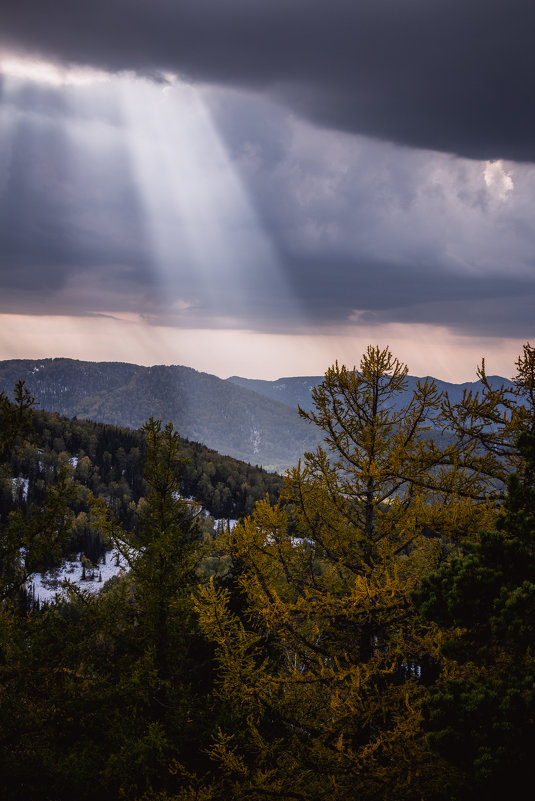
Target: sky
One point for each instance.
(262, 187)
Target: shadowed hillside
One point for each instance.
(230, 419)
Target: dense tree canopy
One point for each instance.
(101, 693)
(370, 635)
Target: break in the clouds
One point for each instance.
(278, 167)
(450, 75)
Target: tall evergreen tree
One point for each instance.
(100, 694)
(29, 535)
(481, 713)
(170, 663)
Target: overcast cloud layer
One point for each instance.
(451, 75)
(332, 163)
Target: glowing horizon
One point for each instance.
(427, 350)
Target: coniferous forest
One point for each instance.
(365, 631)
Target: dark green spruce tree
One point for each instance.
(146, 642)
(29, 534)
(103, 694)
(481, 713)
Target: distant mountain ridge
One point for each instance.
(253, 420)
(294, 391)
(233, 420)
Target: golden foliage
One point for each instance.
(326, 665)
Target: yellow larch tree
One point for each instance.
(326, 667)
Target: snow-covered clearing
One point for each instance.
(45, 586)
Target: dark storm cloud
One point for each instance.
(375, 233)
(358, 230)
(451, 75)
(65, 211)
(368, 292)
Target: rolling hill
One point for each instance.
(233, 420)
(253, 420)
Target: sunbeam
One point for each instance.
(65, 180)
(133, 175)
(213, 255)
(44, 72)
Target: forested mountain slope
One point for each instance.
(230, 419)
(252, 420)
(108, 462)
